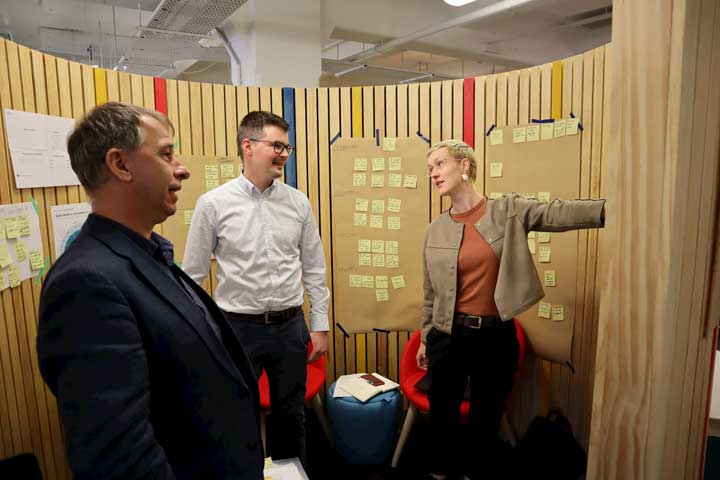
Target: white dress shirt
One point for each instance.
(266, 245)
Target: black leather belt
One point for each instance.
(267, 317)
(474, 321)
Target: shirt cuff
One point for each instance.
(319, 322)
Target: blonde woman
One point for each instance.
(478, 275)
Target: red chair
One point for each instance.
(315, 379)
(410, 374)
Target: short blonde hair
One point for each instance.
(458, 150)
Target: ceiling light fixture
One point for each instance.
(348, 70)
(458, 3)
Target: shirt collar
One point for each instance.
(249, 188)
(157, 246)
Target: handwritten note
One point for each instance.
(398, 281)
(381, 281)
(544, 255)
(394, 163)
(544, 310)
(410, 181)
(496, 137)
(359, 179)
(376, 221)
(378, 180)
(496, 169)
(533, 133)
(378, 206)
(549, 277)
(519, 134)
(378, 246)
(393, 223)
(394, 180)
(364, 245)
(360, 164)
(378, 164)
(394, 205)
(360, 219)
(558, 313)
(389, 144)
(361, 205)
(391, 247)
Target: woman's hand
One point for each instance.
(422, 360)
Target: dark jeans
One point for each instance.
(281, 350)
(490, 357)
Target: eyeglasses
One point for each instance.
(277, 146)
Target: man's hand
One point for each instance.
(422, 360)
(319, 343)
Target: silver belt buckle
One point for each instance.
(267, 317)
(479, 324)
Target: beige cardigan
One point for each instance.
(505, 225)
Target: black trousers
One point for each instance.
(281, 350)
(490, 357)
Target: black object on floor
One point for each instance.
(20, 467)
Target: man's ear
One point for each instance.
(245, 145)
(116, 162)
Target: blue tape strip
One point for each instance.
(347, 335)
(289, 116)
(543, 120)
(381, 330)
(423, 136)
(580, 127)
(490, 130)
(377, 137)
(337, 135)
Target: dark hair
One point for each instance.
(110, 125)
(253, 124)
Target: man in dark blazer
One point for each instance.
(151, 381)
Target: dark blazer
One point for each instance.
(145, 387)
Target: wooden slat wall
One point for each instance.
(206, 118)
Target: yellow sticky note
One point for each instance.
(549, 278)
(544, 255)
(391, 247)
(20, 251)
(24, 226)
(13, 276)
(211, 183)
(393, 223)
(543, 197)
(3, 282)
(381, 281)
(571, 126)
(494, 195)
(546, 131)
(559, 128)
(378, 206)
(394, 180)
(364, 259)
(496, 137)
(187, 216)
(364, 246)
(388, 144)
(2, 229)
(376, 221)
(531, 245)
(394, 205)
(519, 134)
(12, 229)
(378, 164)
(368, 281)
(359, 179)
(496, 169)
(227, 170)
(394, 163)
(378, 260)
(381, 295)
(392, 261)
(558, 313)
(360, 164)
(544, 310)
(356, 281)
(5, 259)
(378, 246)
(531, 235)
(212, 172)
(378, 180)
(533, 133)
(360, 219)
(529, 195)
(543, 237)
(398, 281)
(268, 462)
(36, 260)
(410, 181)
(361, 205)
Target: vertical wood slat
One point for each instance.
(336, 362)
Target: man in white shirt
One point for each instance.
(267, 246)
